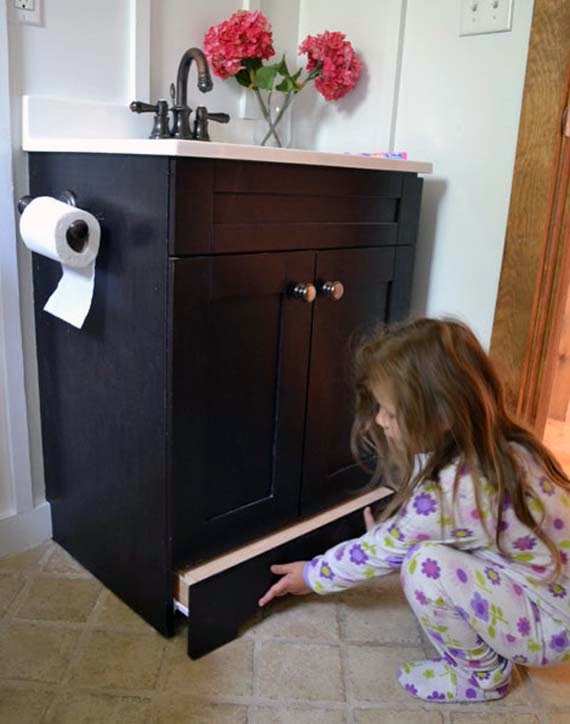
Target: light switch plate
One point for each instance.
(26, 12)
(485, 16)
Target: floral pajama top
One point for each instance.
(428, 517)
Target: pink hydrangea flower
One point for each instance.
(340, 66)
(245, 35)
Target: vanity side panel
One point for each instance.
(409, 212)
(103, 387)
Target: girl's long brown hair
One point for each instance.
(449, 402)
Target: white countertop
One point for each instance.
(44, 119)
(212, 149)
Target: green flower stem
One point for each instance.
(277, 119)
(267, 116)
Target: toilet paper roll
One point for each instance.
(44, 227)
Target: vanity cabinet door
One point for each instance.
(329, 472)
(239, 348)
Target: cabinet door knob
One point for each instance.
(333, 290)
(306, 292)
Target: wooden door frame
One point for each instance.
(535, 276)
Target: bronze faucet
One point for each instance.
(204, 79)
(180, 109)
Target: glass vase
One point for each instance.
(273, 129)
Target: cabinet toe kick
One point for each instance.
(219, 595)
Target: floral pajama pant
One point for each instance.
(479, 621)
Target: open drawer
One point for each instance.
(219, 595)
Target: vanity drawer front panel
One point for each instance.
(295, 235)
(222, 207)
(238, 177)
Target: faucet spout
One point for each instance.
(204, 79)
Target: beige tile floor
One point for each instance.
(70, 652)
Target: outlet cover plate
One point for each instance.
(478, 17)
(26, 12)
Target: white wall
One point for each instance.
(24, 517)
(64, 57)
(175, 26)
(451, 100)
(363, 119)
(459, 107)
(81, 50)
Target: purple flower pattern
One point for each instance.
(523, 626)
(430, 568)
(480, 606)
(421, 598)
(520, 659)
(559, 642)
(525, 543)
(357, 555)
(424, 504)
(557, 590)
(457, 653)
(339, 553)
(396, 533)
(473, 584)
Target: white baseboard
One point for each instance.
(25, 530)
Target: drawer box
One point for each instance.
(219, 595)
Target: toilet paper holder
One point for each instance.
(77, 234)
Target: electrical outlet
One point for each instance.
(485, 16)
(27, 12)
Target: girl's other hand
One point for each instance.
(293, 582)
(369, 521)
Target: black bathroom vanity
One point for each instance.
(196, 428)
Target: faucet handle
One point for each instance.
(140, 107)
(200, 130)
(219, 117)
(160, 128)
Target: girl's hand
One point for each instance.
(369, 521)
(292, 582)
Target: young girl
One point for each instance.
(480, 524)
